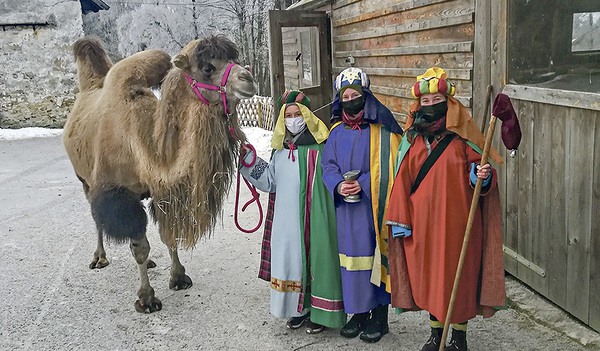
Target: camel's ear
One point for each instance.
(181, 61)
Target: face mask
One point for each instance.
(434, 112)
(431, 120)
(354, 106)
(295, 124)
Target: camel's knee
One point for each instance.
(140, 248)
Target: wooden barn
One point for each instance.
(544, 54)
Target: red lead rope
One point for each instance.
(255, 196)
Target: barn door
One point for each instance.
(301, 57)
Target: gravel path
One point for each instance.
(52, 301)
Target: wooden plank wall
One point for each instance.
(551, 197)
(550, 192)
(395, 40)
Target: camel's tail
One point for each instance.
(92, 63)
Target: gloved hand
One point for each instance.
(400, 232)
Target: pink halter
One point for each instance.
(221, 88)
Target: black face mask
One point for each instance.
(354, 106)
(432, 113)
(425, 120)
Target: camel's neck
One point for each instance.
(187, 131)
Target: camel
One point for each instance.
(125, 145)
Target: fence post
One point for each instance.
(259, 111)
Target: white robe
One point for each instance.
(282, 176)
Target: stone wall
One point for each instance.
(38, 79)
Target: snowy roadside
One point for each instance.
(28, 133)
(258, 137)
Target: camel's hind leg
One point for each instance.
(179, 280)
(119, 213)
(140, 248)
(99, 260)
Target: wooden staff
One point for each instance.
(463, 251)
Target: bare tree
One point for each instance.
(251, 35)
(134, 25)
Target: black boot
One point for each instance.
(433, 343)
(297, 322)
(355, 326)
(377, 325)
(458, 342)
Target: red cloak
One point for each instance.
(423, 266)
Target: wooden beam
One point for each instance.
(400, 117)
(342, 3)
(26, 24)
(482, 58)
(456, 74)
(405, 94)
(466, 46)
(385, 9)
(590, 101)
(439, 22)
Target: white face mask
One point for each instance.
(295, 124)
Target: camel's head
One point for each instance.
(206, 60)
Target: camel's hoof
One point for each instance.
(151, 264)
(99, 263)
(153, 306)
(180, 282)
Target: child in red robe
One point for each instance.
(428, 214)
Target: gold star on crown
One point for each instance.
(351, 75)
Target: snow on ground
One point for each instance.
(27, 133)
(258, 137)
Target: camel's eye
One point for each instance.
(208, 69)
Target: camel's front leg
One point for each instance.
(179, 280)
(140, 248)
(99, 260)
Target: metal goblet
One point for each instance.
(350, 176)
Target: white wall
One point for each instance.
(38, 79)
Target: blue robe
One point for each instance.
(347, 150)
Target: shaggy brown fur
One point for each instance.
(124, 143)
(201, 153)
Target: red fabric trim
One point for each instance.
(264, 271)
(327, 305)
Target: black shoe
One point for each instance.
(297, 322)
(314, 328)
(434, 341)
(355, 326)
(377, 326)
(458, 342)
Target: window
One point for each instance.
(555, 44)
(300, 57)
(586, 32)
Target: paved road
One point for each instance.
(51, 300)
